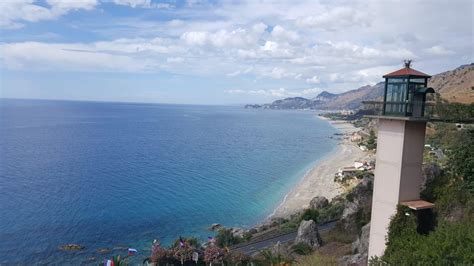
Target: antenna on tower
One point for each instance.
(407, 63)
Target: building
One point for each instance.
(356, 137)
(400, 145)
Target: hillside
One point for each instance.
(455, 86)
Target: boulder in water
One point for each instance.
(69, 247)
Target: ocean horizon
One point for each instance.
(115, 175)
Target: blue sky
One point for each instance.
(221, 52)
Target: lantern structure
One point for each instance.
(400, 145)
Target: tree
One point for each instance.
(371, 142)
(226, 238)
(461, 157)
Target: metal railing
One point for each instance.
(440, 111)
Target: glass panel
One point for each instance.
(419, 80)
(396, 98)
(396, 80)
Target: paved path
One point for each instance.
(256, 246)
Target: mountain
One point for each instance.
(324, 97)
(455, 86)
(287, 103)
(353, 99)
(325, 100)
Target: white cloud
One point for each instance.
(277, 93)
(67, 5)
(335, 18)
(13, 11)
(313, 80)
(439, 50)
(239, 37)
(143, 4)
(77, 57)
(174, 59)
(338, 45)
(281, 33)
(274, 93)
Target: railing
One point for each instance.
(394, 108)
(440, 111)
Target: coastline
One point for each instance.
(319, 181)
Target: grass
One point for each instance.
(316, 260)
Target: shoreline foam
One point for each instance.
(319, 180)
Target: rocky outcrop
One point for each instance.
(215, 227)
(318, 203)
(360, 247)
(308, 233)
(238, 232)
(69, 247)
(357, 208)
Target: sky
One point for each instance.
(222, 52)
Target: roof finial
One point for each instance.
(407, 63)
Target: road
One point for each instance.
(256, 246)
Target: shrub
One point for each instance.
(310, 214)
(277, 256)
(214, 254)
(160, 254)
(236, 258)
(226, 238)
(190, 241)
(317, 260)
(302, 249)
(449, 244)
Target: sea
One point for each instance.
(111, 176)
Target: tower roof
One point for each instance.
(406, 71)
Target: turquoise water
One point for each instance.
(108, 175)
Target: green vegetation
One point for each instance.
(310, 214)
(302, 249)
(192, 241)
(317, 260)
(450, 244)
(452, 111)
(371, 142)
(276, 256)
(445, 237)
(225, 238)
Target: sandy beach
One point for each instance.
(319, 181)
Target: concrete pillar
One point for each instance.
(398, 174)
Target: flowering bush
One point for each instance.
(160, 254)
(183, 252)
(214, 254)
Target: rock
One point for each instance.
(281, 250)
(350, 209)
(318, 203)
(308, 233)
(103, 250)
(215, 227)
(357, 208)
(71, 247)
(262, 228)
(253, 231)
(120, 248)
(352, 260)
(361, 245)
(238, 232)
